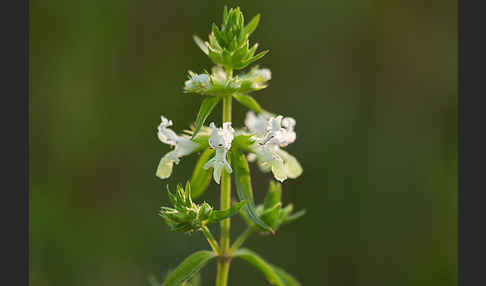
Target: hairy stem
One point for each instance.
(241, 239)
(224, 259)
(212, 241)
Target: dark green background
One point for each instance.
(372, 84)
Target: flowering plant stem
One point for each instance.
(261, 140)
(225, 259)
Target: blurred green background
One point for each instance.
(372, 84)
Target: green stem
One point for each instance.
(241, 239)
(224, 259)
(212, 241)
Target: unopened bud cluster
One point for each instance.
(187, 216)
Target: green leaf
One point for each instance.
(252, 25)
(200, 44)
(200, 178)
(190, 266)
(249, 102)
(266, 268)
(224, 214)
(243, 186)
(207, 106)
(286, 278)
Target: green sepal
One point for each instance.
(252, 25)
(205, 110)
(243, 187)
(205, 211)
(189, 267)
(200, 44)
(200, 177)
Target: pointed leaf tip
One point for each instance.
(205, 110)
(252, 25)
(200, 43)
(189, 267)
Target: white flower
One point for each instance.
(276, 135)
(219, 75)
(282, 164)
(165, 134)
(262, 74)
(256, 123)
(221, 137)
(257, 77)
(220, 140)
(267, 148)
(183, 146)
(197, 81)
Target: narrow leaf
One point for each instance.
(286, 278)
(294, 216)
(256, 57)
(200, 178)
(252, 25)
(190, 266)
(260, 264)
(207, 106)
(243, 186)
(224, 214)
(249, 102)
(200, 44)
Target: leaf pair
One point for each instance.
(195, 262)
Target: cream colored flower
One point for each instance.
(183, 147)
(279, 132)
(220, 140)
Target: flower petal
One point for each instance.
(164, 169)
(294, 169)
(278, 169)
